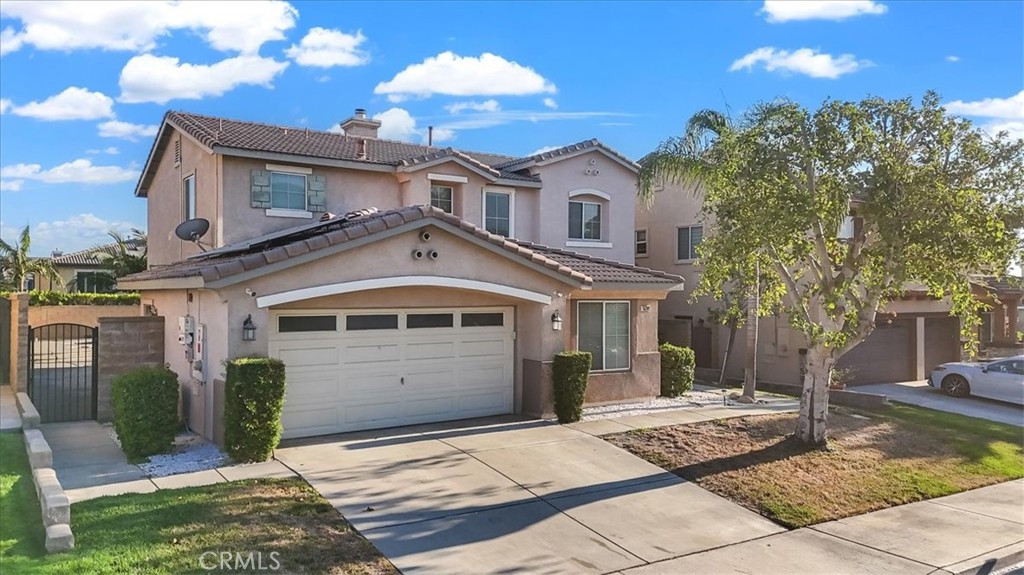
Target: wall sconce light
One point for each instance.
(556, 321)
(248, 329)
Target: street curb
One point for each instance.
(988, 563)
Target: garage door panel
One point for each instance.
(496, 346)
(430, 350)
(359, 354)
(306, 356)
(885, 356)
(352, 379)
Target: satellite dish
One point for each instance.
(192, 230)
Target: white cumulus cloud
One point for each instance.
(72, 104)
(485, 106)
(11, 185)
(550, 103)
(399, 124)
(5, 105)
(453, 75)
(77, 232)
(136, 26)
(159, 79)
(778, 11)
(324, 48)
(1011, 108)
(803, 61)
(80, 171)
(127, 130)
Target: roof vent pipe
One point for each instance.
(430, 135)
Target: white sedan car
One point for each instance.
(1001, 379)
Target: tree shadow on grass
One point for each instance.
(784, 448)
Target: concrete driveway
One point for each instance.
(920, 393)
(514, 497)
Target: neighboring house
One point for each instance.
(913, 334)
(446, 301)
(1002, 322)
(81, 271)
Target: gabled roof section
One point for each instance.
(340, 233)
(237, 137)
(88, 257)
(566, 152)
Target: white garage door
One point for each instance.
(348, 370)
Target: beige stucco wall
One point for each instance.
(79, 314)
(166, 208)
(561, 178)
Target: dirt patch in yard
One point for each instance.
(874, 460)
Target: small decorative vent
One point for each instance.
(177, 152)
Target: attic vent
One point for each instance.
(177, 152)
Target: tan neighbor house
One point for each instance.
(914, 334)
(399, 283)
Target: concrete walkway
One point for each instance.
(9, 418)
(920, 393)
(89, 464)
(979, 531)
(516, 496)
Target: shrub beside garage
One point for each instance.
(570, 373)
(253, 400)
(145, 402)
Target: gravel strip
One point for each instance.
(191, 453)
(690, 399)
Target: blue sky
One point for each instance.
(83, 86)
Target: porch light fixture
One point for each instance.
(248, 329)
(556, 321)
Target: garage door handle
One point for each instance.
(403, 381)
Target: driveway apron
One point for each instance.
(514, 497)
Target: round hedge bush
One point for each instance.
(146, 411)
(253, 400)
(677, 369)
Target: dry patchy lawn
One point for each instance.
(874, 460)
(168, 531)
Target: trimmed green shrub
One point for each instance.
(43, 298)
(569, 374)
(677, 369)
(253, 399)
(146, 411)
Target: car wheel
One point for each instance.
(956, 385)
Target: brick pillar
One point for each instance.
(19, 342)
(125, 344)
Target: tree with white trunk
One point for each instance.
(835, 211)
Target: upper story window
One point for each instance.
(584, 220)
(687, 240)
(188, 196)
(441, 197)
(287, 191)
(641, 243)
(499, 210)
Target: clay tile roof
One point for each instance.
(579, 267)
(88, 257)
(254, 136)
(518, 163)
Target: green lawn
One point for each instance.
(875, 459)
(168, 531)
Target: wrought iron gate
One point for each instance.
(63, 371)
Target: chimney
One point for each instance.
(361, 126)
(56, 254)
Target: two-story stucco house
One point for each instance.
(913, 334)
(399, 283)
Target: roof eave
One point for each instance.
(188, 282)
(631, 166)
(298, 159)
(489, 176)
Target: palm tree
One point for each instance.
(126, 255)
(690, 160)
(16, 265)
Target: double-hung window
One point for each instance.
(641, 242)
(584, 221)
(499, 212)
(687, 240)
(441, 197)
(603, 330)
(287, 191)
(188, 196)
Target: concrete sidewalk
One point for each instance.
(979, 531)
(89, 464)
(10, 420)
(921, 394)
